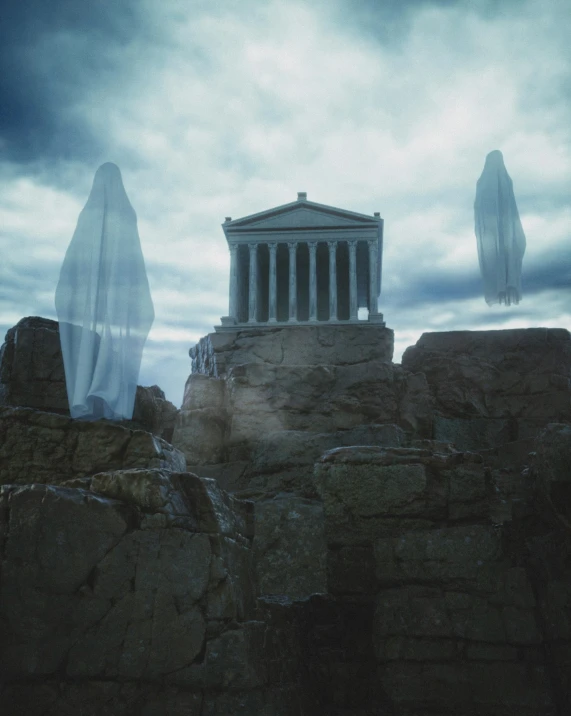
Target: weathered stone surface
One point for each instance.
(324, 399)
(482, 689)
(92, 590)
(54, 537)
(552, 469)
(289, 547)
(519, 373)
(32, 375)
(217, 353)
(49, 448)
(154, 413)
(455, 557)
(364, 489)
(203, 391)
(31, 366)
(97, 698)
(283, 461)
(200, 434)
(234, 660)
(475, 434)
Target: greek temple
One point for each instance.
(303, 263)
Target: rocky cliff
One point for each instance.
(328, 533)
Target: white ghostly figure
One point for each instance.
(501, 241)
(103, 304)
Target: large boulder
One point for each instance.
(520, 379)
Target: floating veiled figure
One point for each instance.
(501, 241)
(103, 303)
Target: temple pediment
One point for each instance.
(301, 215)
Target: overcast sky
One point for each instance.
(215, 109)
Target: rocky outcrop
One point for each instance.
(32, 376)
(31, 366)
(37, 447)
(459, 623)
(490, 387)
(358, 566)
(217, 353)
(136, 590)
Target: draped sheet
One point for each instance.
(501, 241)
(103, 304)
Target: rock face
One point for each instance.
(49, 448)
(217, 353)
(135, 589)
(459, 621)
(348, 537)
(32, 376)
(31, 366)
(494, 385)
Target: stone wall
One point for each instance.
(465, 616)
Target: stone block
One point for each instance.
(454, 557)
(216, 354)
(203, 391)
(365, 490)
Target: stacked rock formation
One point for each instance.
(328, 533)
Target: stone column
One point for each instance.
(233, 307)
(353, 309)
(373, 258)
(253, 287)
(312, 281)
(332, 280)
(273, 284)
(292, 246)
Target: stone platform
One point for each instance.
(338, 345)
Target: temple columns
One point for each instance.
(332, 245)
(373, 296)
(273, 284)
(233, 303)
(353, 308)
(292, 246)
(312, 281)
(253, 283)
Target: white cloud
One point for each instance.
(231, 110)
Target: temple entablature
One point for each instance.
(303, 263)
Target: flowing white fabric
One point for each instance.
(103, 304)
(501, 241)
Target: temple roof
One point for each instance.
(301, 214)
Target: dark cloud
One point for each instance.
(553, 272)
(389, 21)
(51, 51)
